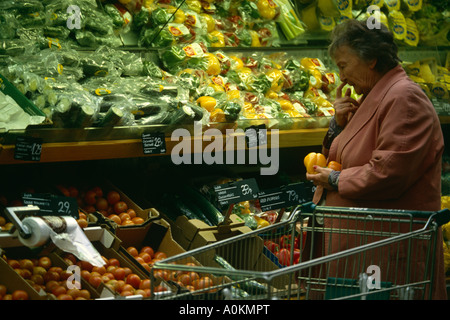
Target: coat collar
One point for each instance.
(367, 109)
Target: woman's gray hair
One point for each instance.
(377, 43)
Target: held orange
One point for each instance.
(314, 159)
(336, 166)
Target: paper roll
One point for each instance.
(65, 233)
(40, 232)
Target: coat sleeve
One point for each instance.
(406, 147)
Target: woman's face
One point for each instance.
(359, 74)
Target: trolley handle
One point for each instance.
(441, 217)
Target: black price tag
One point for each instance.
(286, 196)
(154, 143)
(28, 149)
(236, 191)
(50, 204)
(298, 193)
(272, 199)
(256, 135)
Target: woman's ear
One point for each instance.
(373, 63)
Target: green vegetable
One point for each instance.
(210, 211)
(173, 57)
(159, 17)
(245, 39)
(248, 10)
(231, 110)
(251, 287)
(114, 14)
(262, 83)
(291, 26)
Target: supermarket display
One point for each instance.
(74, 66)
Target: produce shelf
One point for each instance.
(133, 147)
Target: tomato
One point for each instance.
(95, 281)
(14, 263)
(2, 290)
(85, 265)
(58, 290)
(202, 283)
(64, 296)
(131, 212)
(19, 295)
(114, 262)
(113, 197)
(100, 270)
(145, 256)
(101, 204)
(133, 251)
(137, 220)
(284, 257)
(26, 264)
(85, 294)
(90, 197)
(145, 284)
(149, 250)
(115, 218)
(45, 262)
(134, 280)
(159, 255)
(121, 207)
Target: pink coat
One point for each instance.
(390, 152)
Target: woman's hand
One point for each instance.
(321, 177)
(344, 106)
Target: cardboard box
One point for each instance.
(13, 281)
(194, 233)
(157, 235)
(148, 214)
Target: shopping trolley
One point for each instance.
(328, 253)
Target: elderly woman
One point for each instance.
(389, 142)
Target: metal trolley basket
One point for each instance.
(344, 253)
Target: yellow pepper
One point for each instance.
(217, 115)
(233, 94)
(236, 63)
(285, 104)
(209, 21)
(255, 39)
(267, 9)
(208, 103)
(216, 38)
(194, 5)
(213, 67)
(179, 16)
(334, 165)
(277, 79)
(314, 159)
(271, 94)
(261, 223)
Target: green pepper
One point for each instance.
(231, 110)
(245, 38)
(262, 83)
(249, 10)
(154, 38)
(115, 15)
(159, 17)
(173, 57)
(152, 70)
(141, 19)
